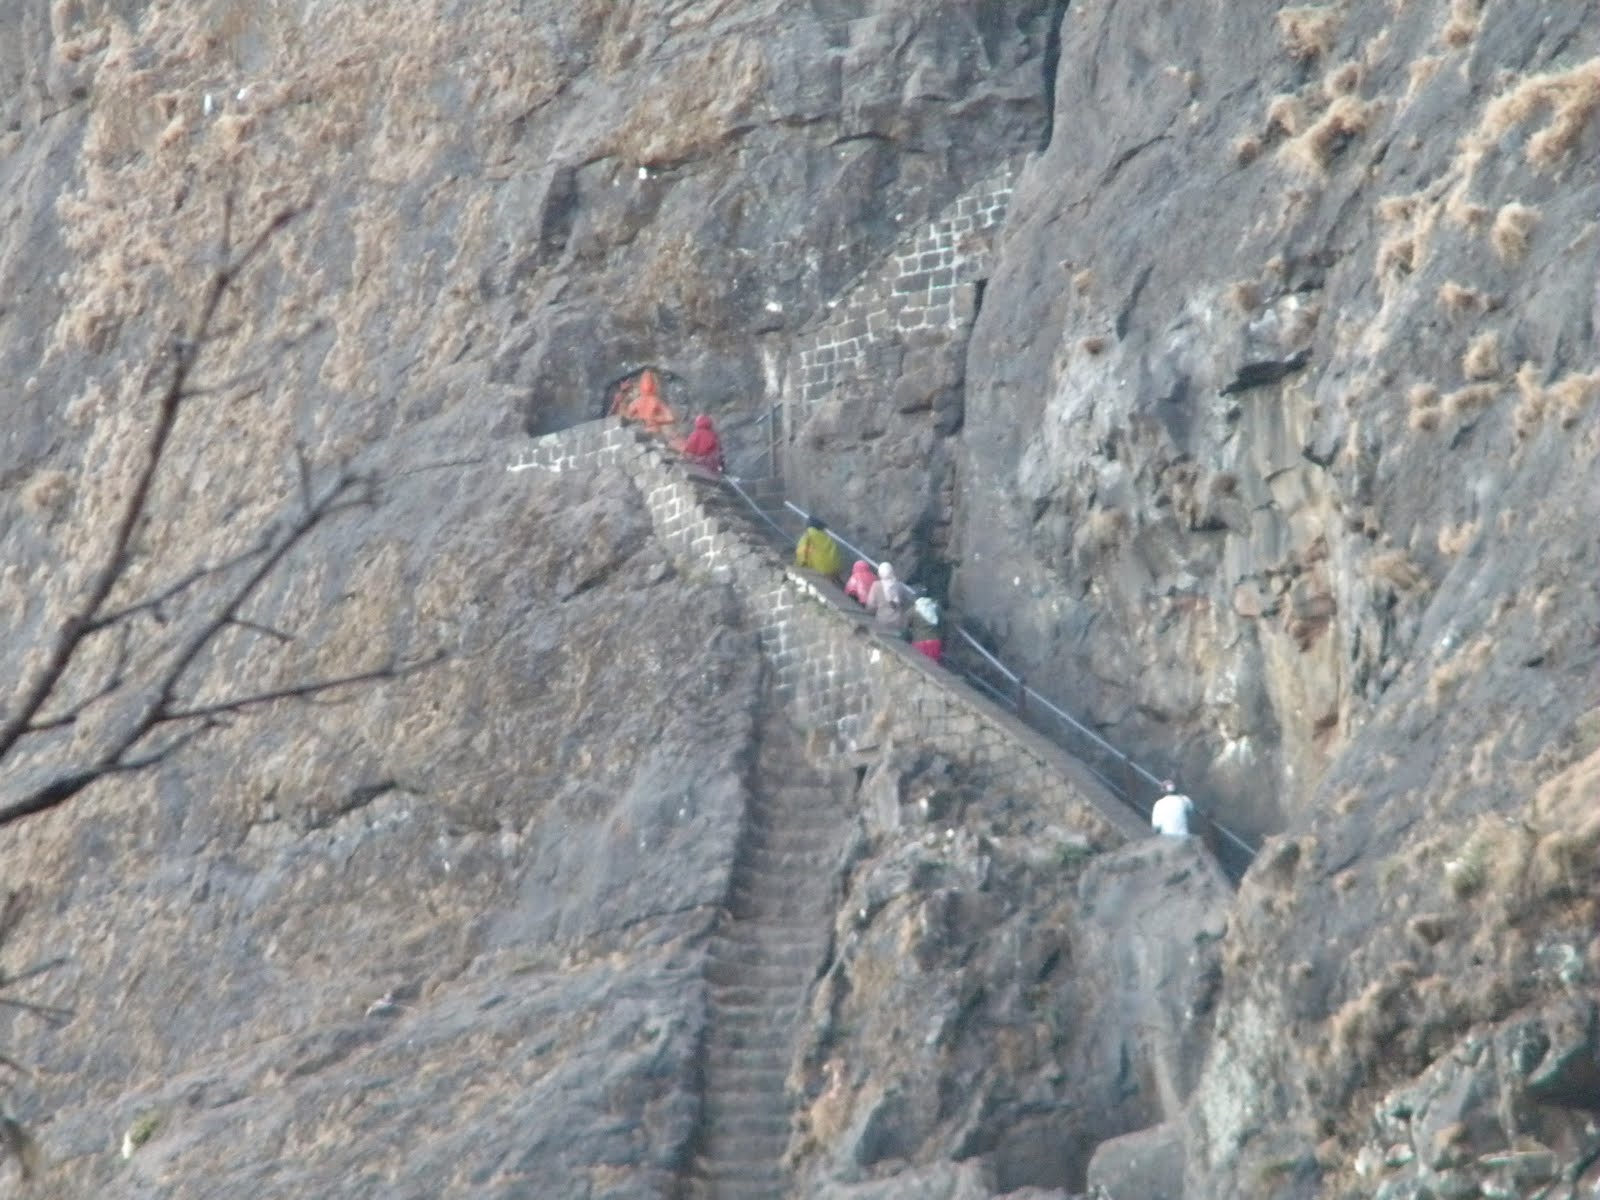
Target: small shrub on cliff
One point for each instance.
(1342, 80)
(1424, 401)
(1308, 30)
(1459, 301)
(1462, 25)
(1465, 401)
(1285, 115)
(1572, 97)
(1513, 225)
(1395, 568)
(1482, 359)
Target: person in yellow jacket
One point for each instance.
(817, 551)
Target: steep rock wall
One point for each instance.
(1234, 575)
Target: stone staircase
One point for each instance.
(763, 959)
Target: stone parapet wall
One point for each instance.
(838, 676)
(928, 283)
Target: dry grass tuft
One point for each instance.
(1244, 296)
(1362, 1028)
(1424, 401)
(1572, 98)
(47, 493)
(1465, 401)
(1307, 31)
(1347, 117)
(1468, 214)
(1453, 539)
(1449, 675)
(1462, 26)
(1396, 569)
(1342, 80)
(1513, 225)
(1285, 114)
(1397, 256)
(1532, 402)
(1246, 149)
(1458, 300)
(1482, 359)
(1395, 209)
(1418, 75)
(1104, 529)
(1573, 395)
(693, 111)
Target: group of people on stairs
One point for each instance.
(639, 401)
(897, 609)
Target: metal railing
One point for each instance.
(1130, 782)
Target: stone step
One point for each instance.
(764, 824)
(780, 926)
(778, 1014)
(730, 1070)
(744, 1065)
(781, 858)
(743, 1181)
(786, 900)
(771, 1124)
(821, 847)
(741, 1159)
(775, 909)
(746, 1039)
(738, 946)
(780, 975)
(735, 997)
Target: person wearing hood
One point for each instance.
(861, 580)
(923, 627)
(890, 600)
(817, 551)
(702, 447)
(643, 405)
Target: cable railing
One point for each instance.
(1133, 784)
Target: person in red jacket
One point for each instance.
(702, 447)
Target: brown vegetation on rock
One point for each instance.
(1308, 30)
(1482, 359)
(1513, 225)
(1571, 98)
(1462, 25)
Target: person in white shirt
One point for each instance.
(1171, 814)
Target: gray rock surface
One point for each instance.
(1270, 453)
(1009, 999)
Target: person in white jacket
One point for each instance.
(1170, 817)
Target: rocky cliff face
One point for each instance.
(1233, 368)
(1290, 331)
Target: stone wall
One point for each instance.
(838, 676)
(930, 282)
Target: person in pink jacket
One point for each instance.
(862, 577)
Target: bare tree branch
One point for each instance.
(265, 630)
(301, 691)
(153, 603)
(71, 634)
